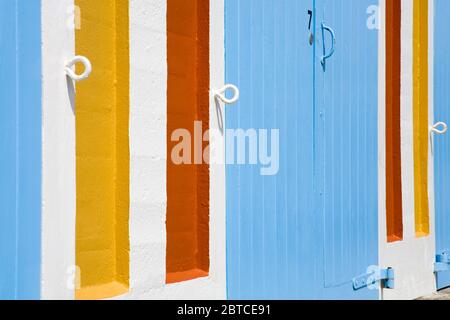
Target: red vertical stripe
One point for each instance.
(188, 101)
(394, 210)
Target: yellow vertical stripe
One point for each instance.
(102, 114)
(420, 39)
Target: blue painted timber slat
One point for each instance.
(442, 142)
(20, 142)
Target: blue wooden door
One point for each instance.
(442, 142)
(347, 152)
(269, 218)
(306, 231)
(20, 145)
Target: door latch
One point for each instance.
(383, 276)
(442, 262)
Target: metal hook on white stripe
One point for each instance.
(443, 130)
(87, 68)
(220, 94)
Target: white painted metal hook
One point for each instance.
(435, 128)
(87, 68)
(220, 94)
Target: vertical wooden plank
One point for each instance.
(282, 45)
(20, 141)
(102, 111)
(442, 142)
(294, 20)
(394, 207)
(29, 107)
(420, 111)
(187, 102)
(246, 66)
(8, 145)
(232, 57)
(257, 19)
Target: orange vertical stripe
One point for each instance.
(421, 127)
(394, 208)
(187, 101)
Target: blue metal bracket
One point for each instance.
(442, 262)
(383, 276)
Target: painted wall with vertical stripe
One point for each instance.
(148, 159)
(120, 241)
(413, 257)
(20, 142)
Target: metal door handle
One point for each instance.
(333, 41)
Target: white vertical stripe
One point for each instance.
(407, 119)
(217, 171)
(148, 118)
(431, 193)
(382, 230)
(58, 172)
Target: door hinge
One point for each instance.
(442, 262)
(383, 276)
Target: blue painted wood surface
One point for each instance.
(20, 145)
(307, 231)
(442, 143)
(347, 126)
